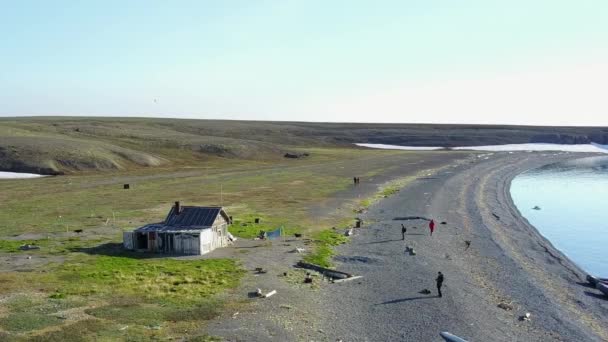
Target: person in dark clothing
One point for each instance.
(439, 281)
(403, 231)
(355, 180)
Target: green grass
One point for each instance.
(160, 279)
(40, 304)
(151, 314)
(245, 227)
(324, 241)
(389, 190)
(27, 321)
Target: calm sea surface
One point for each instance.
(573, 201)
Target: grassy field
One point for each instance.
(83, 286)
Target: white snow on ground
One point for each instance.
(15, 175)
(539, 147)
(397, 147)
(498, 148)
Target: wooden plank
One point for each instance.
(347, 279)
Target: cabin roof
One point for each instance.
(189, 218)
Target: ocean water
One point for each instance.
(573, 215)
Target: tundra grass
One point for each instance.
(324, 241)
(119, 290)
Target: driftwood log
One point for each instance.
(324, 271)
(407, 218)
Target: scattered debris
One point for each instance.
(308, 279)
(258, 293)
(235, 314)
(525, 317)
(260, 270)
(467, 244)
(496, 216)
(296, 155)
(447, 256)
(299, 250)
(410, 250)
(348, 232)
(231, 237)
(594, 280)
(425, 291)
(285, 306)
(29, 257)
(298, 235)
(451, 337)
(28, 247)
(78, 231)
(124, 328)
(347, 279)
(271, 293)
(443, 222)
(505, 306)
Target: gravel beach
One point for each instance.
(507, 262)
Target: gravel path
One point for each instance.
(508, 262)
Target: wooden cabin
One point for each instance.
(187, 230)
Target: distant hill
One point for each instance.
(54, 145)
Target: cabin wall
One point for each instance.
(188, 244)
(206, 241)
(220, 232)
(127, 240)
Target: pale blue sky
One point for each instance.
(480, 61)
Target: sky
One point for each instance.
(534, 62)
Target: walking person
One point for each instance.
(403, 231)
(432, 226)
(439, 281)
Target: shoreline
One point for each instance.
(509, 262)
(573, 266)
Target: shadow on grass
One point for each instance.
(117, 249)
(596, 295)
(395, 301)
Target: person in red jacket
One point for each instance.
(432, 226)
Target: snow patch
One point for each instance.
(539, 147)
(17, 175)
(397, 147)
(585, 148)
